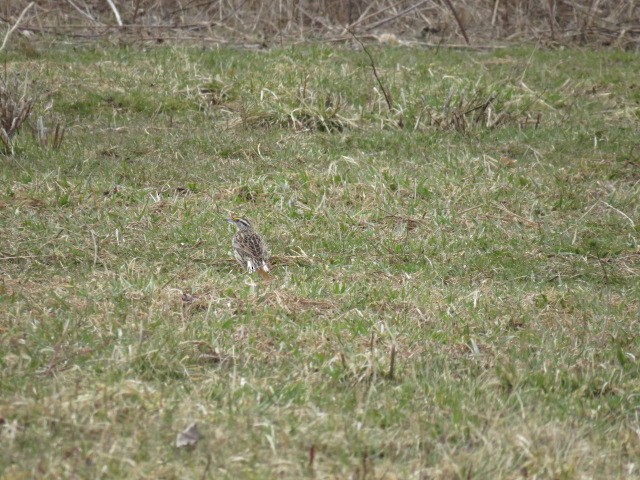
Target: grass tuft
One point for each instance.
(15, 108)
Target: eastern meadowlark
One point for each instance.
(249, 248)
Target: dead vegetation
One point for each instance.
(259, 23)
(462, 112)
(463, 109)
(16, 103)
(18, 100)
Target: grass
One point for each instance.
(495, 265)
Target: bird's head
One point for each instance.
(239, 222)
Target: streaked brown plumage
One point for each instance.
(249, 248)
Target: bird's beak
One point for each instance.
(230, 220)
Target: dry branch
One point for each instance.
(116, 13)
(15, 25)
(397, 15)
(458, 21)
(602, 22)
(387, 95)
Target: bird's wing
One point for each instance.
(253, 245)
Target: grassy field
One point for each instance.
(455, 289)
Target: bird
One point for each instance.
(249, 248)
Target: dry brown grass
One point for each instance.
(16, 103)
(607, 22)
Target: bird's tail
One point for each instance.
(264, 273)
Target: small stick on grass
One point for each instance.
(606, 278)
(372, 362)
(95, 248)
(392, 362)
(387, 95)
(312, 455)
(343, 360)
(207, 466)
(51, 368)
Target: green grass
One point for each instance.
(499, 264)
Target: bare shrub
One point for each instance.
(15, 108)
(604, 22)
